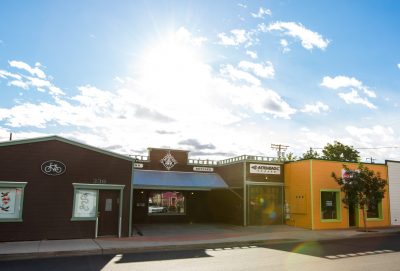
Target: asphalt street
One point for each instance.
(367, 253)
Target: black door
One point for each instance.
(352, 216)
(108, 212)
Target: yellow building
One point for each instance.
(313, 199)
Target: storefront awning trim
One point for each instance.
(164, 180)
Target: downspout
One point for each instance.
(244, 194)
(131, 201)
(311, 194)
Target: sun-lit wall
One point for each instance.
(323, 181)
(304, 182)
(298, 193)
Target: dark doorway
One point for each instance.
(352, 216)
(108, 212)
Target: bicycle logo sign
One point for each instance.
(53, 168)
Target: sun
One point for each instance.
(172, 63)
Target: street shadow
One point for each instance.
(337, 249)
(97, 262)
(77, 263)
(162, 256)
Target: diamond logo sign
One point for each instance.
(168, 161)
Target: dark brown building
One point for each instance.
(54, 188)
(245, 190)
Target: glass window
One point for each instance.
(85, 204)
(166, 203)
(11, 201)
(373, 211)
(329, 205)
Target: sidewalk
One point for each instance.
(177, 237)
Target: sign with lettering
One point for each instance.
(203, 169)
(99, 181)
(53, 168)
(265, 169)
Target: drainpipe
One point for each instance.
(244, 195)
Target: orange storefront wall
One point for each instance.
(314, 176)
(298, 193)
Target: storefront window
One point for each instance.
(11, 201)
(85, 204)
(166, 203)
(329, 205)
(374, 210)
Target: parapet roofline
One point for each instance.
(64, 140)
(167, 149)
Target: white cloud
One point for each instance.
(242, 5)
(346, 82)
(316, 108)
(36, 71)
(238, 75)
(17, 83)
(309, 39)
(367, 136)
(183, 35)
(5, 74)
(354, 98)
(285, 45)
(36, 78)
(173, 90)
(252, 54)
(373, 137)
(264, 101)
(340, 82)
(261, 13)
(398, 65)
(261, 70)
(237, 37)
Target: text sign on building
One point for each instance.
(53, 167)
(265, 169)
(203, 169)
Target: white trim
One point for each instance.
(65, 140)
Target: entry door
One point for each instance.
(108, 212)
(265, 205)
(352, 216)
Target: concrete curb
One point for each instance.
(178, 247)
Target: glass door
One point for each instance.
(265, 205)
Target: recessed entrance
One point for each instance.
(108, 212)
(265, 205)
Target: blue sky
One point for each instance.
(219, 78)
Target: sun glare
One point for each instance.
(171, 64)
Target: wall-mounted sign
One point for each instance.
(7, 200)
(168, 161)
(137, 165)
(265, 169)
(53, 167)
(99, 180)
(204, 169)
(85, 203)
(348, 174)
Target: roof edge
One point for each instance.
(64, 140)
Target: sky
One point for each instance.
(217, 78)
